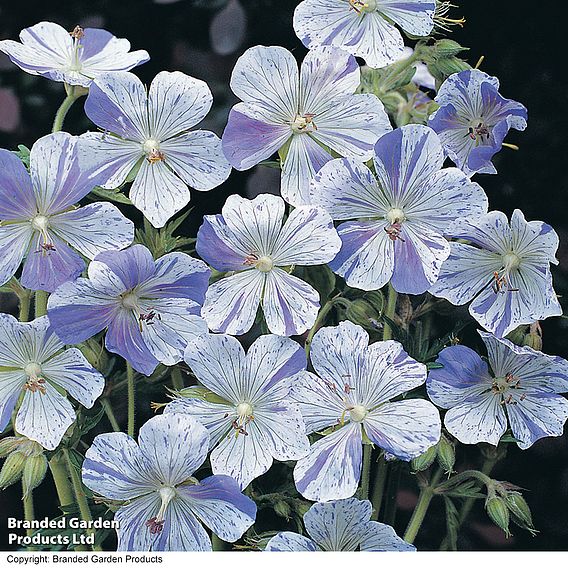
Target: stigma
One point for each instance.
(35, 382)
(304, 123)
(152, 149)
(156, 524)
(262, 263)
(363, 6)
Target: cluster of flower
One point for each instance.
(403, 220)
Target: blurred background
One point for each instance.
(203, 38)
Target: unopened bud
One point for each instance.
(7, 446)
(376, 299)
(362, 313)
(446, 454)
(12, 469)
(498, 512)
(533, 338)
(521, 513)
(517, 336)
(34, 472)
(443, 68)
(447, 48)
(424, 461)
(282, 509)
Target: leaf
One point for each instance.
(111, 195)
(452, 523)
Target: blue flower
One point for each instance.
(34, 364)
(473, 120)
(351, 397)
(343, 525)
(519, 383)
(164, 504)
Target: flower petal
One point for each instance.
(11, 383)
(415, 17)
(118, 271)
(405, 429)
(290, 542)
(382, 538)
(333, 467)
(14, 243)
(133, 533)
(17, 199)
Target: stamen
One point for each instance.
(263, 263)
(304, 123)
(40, 223)
(77, 33)
(35, 382)
(155, 156)
(156, 524)
(363, 6)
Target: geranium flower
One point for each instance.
(150, 308)
(38, 219)
(504, 271)
(399, 216)
(520, 384)
(150, 130)
(250, 239)
(306, 115)
(363, 27)
(351, 397)
(35, 368)
(250, 416)
(473, 119)
(75, 58)
(164, 505)
(342, 525)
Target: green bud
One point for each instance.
(446, 454)
(362, 313)
(443, 68)
(392, 101)
(282, 509)
(521, 513)
(8, 445)
(534, 338)
(517, 336)
(498, 512)
(12, 469)
(400, 79)
(445, 48)
(34, 472)
(376, 299)
(425, 460)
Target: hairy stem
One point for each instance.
(131, 400)
(61, 480)
(390, 312)
(366, 471)
(426, 495)
(73, 93)
(107, 407)
(379, 488)
(25, 301)
(41, 303)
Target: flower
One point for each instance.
(473, 120)
(150, 308)
(75, 58)
(342, 525)
(306, 116)
(34, 364)
(250, 240)
(363, 27)
(399, 217)
(504, 271)
(150, 130)
(38, 219)
(248, 411)
(351, 397)
(163, 503)
(520, 384)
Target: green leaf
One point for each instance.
(24, 154)
(452, 523)
(111, 195)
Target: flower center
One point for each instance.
(152, 149)
(395, 217)
(129, 300)
(40, 223)
(358, 413)
(263, 263)
(511, 261)
(244, 417)
(35, 382)
(244, 409)
(502, 385)
(304, 123)
(156, 524)
(363, 6)
(478, 131)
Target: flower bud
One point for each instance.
(12, 469)
(521, 513)
(376, 299)
(498, 512)
(282, 509)
(445, 48)
(8, 445)
(362, 313)
(446, 454)
(533, 338)
(34, 472)
(425, 460)
(443, 68)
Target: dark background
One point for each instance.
(523, 49)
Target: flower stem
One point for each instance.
(390, 312)
(131, 400)
(29, 514)
(426, 495)
(25, 301)
(379, 488)
(73, 93)
(366, 471)
(323, 313)
(41, 303)
(80, 496)
(61, 480)
(177, 379)
(107, 407)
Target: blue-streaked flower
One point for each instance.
(151, 131)
(519, 383)
(149, 308)
(38, 219)
(164, 505)
(35, 368)
(503, 270)
(342, 525)
(75, 58)
(364, 28)
(396, 218)
(306, 115)
(250, 416)
(473, 120)
(351, 397)
(252, 242)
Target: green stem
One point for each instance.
(323, 313)
(80, 496)
(177, 379)
(131, 400)
(61, 480)
(379, 488)
(107, 407)
(41, 303)
(390, 312)
(29, 514)
(366, 471)
(426, 495)
(25, 301)
(73, 93)
(392, 492)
